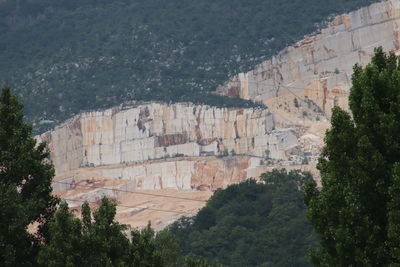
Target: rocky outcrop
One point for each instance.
(320, 66)
(129, 134)
(196, 173)
(195, 149)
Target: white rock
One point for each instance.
(156, 131)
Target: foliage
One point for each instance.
(356, 212)
(251, 224)
(67, 56)
(98, 240)
(25, 185)
(296, 103)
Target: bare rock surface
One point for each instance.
(158, 131)
(319, 67)
(161, 161)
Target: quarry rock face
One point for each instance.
(320, 66)
(123, 142)
(154, 131)
(194, 173)
(191, 150)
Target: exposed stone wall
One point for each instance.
(204, 173)
(156, 131)
(321, 65)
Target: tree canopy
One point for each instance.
(356, 212)
(98, 240)
(251, 224)
(25, 185)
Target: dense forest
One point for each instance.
(67, 56)
(252, 224)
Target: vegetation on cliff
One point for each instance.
(251, 224)
(67, 56)
(356, 213)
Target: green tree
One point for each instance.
(98, 240)
(144, 248)
(25, 185)
(356, 213)
(296, 102)
(103, 232)
(65, 243)
(251, 224)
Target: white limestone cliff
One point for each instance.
(186, 173)
(139, 133)
(320, 66)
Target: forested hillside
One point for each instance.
(252, 224)
(66, 56)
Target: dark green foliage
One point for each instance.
(67, 56)
(64, 245)
(25, 185)
(98, 240)
(296, 103)
(356, 213)
(251, 224)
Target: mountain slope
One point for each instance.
(318, 69)
(67, 56)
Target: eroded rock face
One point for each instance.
(197, 173)
(183, 147)
(320, 66)
(156, 131)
